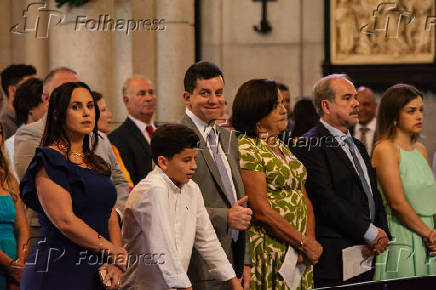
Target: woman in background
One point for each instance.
(407, 183)
(104, 128)
(14, 231)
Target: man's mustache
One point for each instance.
(355, 111)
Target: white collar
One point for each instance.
(168, 181)
(202, 126)
(141, 125)
(371, 125)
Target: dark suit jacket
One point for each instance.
(208, 179)
(339, 201)
(134, 149)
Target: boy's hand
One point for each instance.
(239, 217)
(236, 285)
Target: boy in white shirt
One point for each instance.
(165, 217)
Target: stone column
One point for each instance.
(17, 40)
(36, 46)
(123, 64)
(5, 36)
(85, 48)
(174, 55)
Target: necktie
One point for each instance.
(363, 131)
(149, 130)
(223, 173)
(365, 185)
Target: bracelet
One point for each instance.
(301, 246)
(11, 262)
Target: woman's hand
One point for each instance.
(311, 249)
(430, 242)
(15, 270)
(118, 256)
(113, 274)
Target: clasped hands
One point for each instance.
(377, 246)
(310, 252)
(430, 242)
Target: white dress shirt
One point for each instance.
(164, 221)
(369, 135)
(371, 232)
(204, 129)
(142, 125)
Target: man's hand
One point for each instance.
(367, 251)
(245, 279)
(239, 217)
(380, 243)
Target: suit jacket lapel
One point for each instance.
(136, 133)
(205, 154)
(336, 149)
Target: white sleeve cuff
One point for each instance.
(223, 273)
(178, 281)
(370, 234)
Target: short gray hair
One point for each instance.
(323, 91)
(51, 74)
(126, 84)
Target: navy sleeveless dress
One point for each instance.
(55, 262)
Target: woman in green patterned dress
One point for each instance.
(274, 182)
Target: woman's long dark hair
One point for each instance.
(55, 128)
(5, 174)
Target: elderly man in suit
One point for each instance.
(341, 183)
(218, 174)
(133, 137)
(365, 129)
(28, 138)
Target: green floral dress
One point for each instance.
(284, 181)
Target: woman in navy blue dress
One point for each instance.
(69, 186)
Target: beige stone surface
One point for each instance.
(243, 63)
(175, 55)
(239, 17)
(123, 62)
(5, 37)
(313, 57)
(87, 52)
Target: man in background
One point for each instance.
(365, 129)
(133, 137)
(12, 77)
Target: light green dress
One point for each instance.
(407, 254)
(284, 189)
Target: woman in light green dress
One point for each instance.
(274, 182)
(408, 186)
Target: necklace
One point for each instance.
(63, 148)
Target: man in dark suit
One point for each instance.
(365, 129)
(218, 175)
(341, 183)
(133, 137)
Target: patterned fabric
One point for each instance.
(284, 192)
